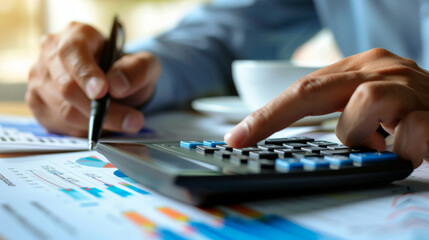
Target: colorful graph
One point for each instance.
(93, 191)
(93, 161)
(69, 191)
(174, 214)
(74, 194)
(123, 176)
(147, 225)
(141, 191)
(113, 188)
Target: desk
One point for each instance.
(14, 108)
(60, 197)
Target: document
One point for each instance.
(24, 134)
(82, 196)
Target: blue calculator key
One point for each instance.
(338, 161)
(373, 157)
(288, 164)
(190, 144)
(314, 163)
(211, 143)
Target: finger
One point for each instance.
(371, 104)
(62, 112)
(133, 77)
(77, 48)
(307, 96)
(81, 65)
(44, 115)
(412, 137)
(65, 85)
(122, 118)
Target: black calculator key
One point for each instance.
(304, 154)
(222, 154)
(245, 151)
(263, 155)
(285, 153)
(206, 149)
(224, 147)
(270, 147)
(259, 164)
(238, 159)
(312, 149)
(327, 152)
(337, 147)
(295, 145)
(321, 143)
(280, 141)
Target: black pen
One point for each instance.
(111, 52)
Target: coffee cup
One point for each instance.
(259, 81)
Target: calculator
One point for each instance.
(209, 172)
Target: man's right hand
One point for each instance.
(66, 78)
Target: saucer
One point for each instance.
(232, 109)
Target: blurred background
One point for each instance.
(23, 22)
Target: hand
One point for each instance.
(66, 77)
(372, 88)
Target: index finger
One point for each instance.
(76, 53)
(311, 95)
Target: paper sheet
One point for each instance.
(24, 134)
(82, 196)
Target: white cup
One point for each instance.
(258, 82)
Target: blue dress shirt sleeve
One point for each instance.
(196, 55)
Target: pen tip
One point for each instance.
(91, 145)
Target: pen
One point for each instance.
(111, 52)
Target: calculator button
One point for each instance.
(338, 147)
(263, 155)
(312, 149)
(285, 153)
(259, 164)
(314, 163)
(222, 154)
(213, 143)
(360, 159)
(339, 161)
(190, 144)
(344, 152)
(224, 147)
(304, 154)
(206, 149)
(280, 141)
(270, 147)
(238, 159)
(321, 143)
(288, 164)
(295, 145)
(245, 151)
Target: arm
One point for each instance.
(196, 56)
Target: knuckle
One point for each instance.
(66, 86)
(378, 53)
(306, 86)
(370, 93)
(32, 74)
(47, 40)
(65, 47)
(67, 111)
